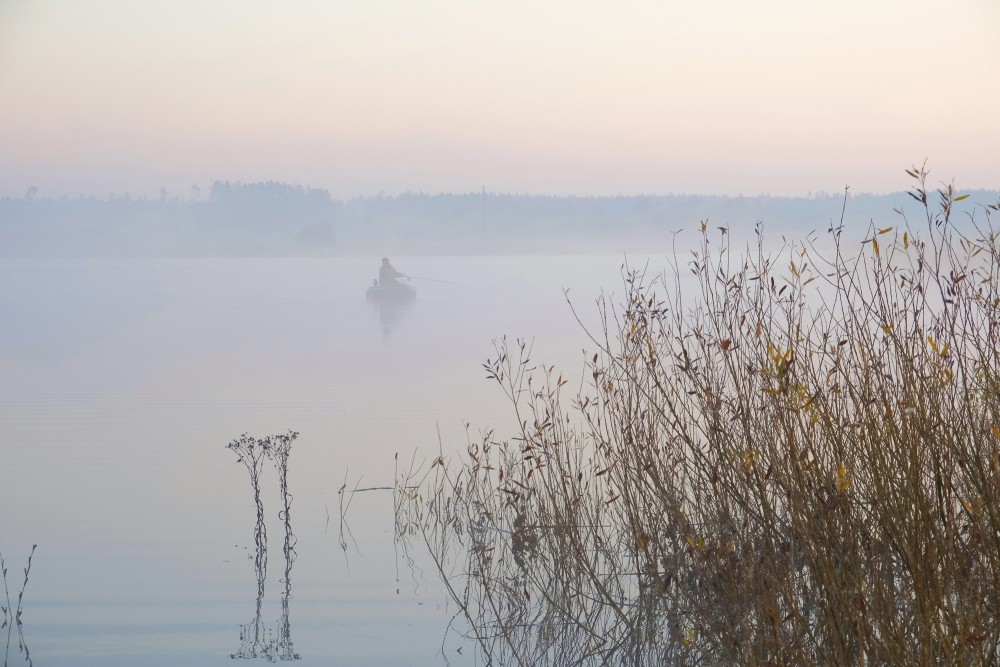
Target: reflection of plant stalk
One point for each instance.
(285, 650)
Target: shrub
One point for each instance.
(793, 461)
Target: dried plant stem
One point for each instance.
(792, 459)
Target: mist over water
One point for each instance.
(272, 219)
(123, 380)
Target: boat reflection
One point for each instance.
(391, 304)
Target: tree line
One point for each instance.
(275, 219)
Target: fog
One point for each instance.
(275, 219)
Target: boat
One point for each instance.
(390, 292)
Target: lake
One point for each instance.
(122, 381)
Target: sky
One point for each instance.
(589, 97)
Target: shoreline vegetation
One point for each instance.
(272, 219)
(793, 462)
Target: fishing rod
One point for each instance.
(434, 280)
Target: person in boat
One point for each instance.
(387, 273)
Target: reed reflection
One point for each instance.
(257, 638)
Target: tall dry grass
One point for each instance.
(795, 461)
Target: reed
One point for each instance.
(257, 640)
(9, 612)
(12, 616)
(279, 449)
(252, 452)
(794, 461)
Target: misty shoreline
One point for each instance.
(280, 220)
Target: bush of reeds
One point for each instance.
(793, 459)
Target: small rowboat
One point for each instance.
(390, 292)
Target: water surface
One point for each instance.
(121, 382)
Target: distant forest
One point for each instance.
(278, 219)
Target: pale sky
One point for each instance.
(583, 97)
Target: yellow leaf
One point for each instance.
(885, 231)
(961, 198)
(906, 240)
(843, 481)
(875, 245)
(933, 344)
(749, 457)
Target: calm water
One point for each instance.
(121, 382)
